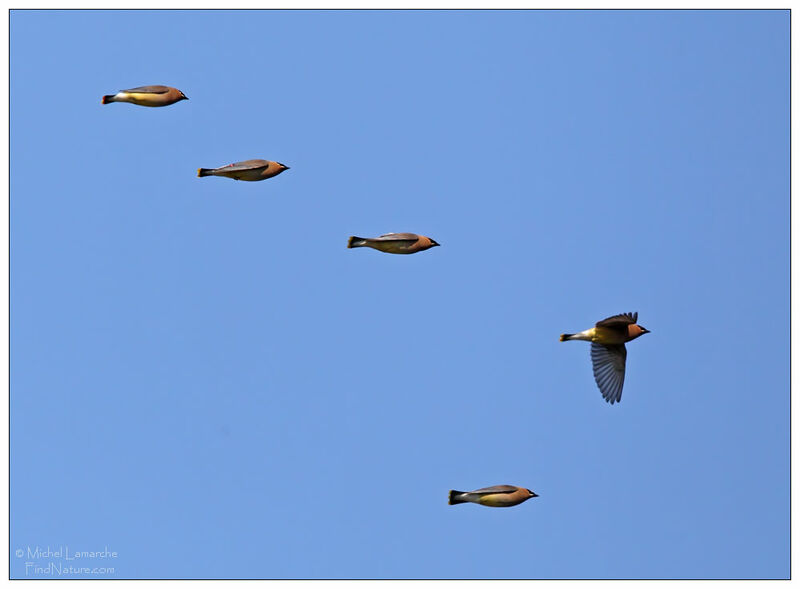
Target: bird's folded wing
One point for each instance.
(248, 165)
(496, 489)
(149, 90)
(619, 321)
(399, 237)
(608, 364)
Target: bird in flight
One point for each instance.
(608, 339)
(497, 496)
(147, 96)
(250, 170)
(394, 243)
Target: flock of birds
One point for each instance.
(608, 337)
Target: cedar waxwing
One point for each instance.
(499, 496)
(608, 339)
(394, 243)
(147, 96)
(251, 170)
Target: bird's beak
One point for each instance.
(645, 330)
(436, 244)
(286, 168)
(534, 494)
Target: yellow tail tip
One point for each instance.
(199, 172)
(563, 337)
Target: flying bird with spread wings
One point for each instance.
(608, 339)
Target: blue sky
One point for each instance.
(206, 381)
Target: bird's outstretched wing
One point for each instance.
(608, 364)
(149, 90)
(622, 320)
(618, 323)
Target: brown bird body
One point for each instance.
(608, 338)
(497, 496)
(147, 96)
(394, 243)
(249, 171)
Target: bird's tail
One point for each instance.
(356, 241)
(565, 336)
(453, 500)
(107, 98)
(204, 172)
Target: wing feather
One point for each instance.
(246, 165)
(495, 489)
(621, 320)
(399, 237)
(149, 90)
(608, 365)
(618, 323)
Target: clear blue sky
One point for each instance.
(205, 380)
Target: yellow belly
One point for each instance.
(145, 99)
(497, 500)
(248, 175)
